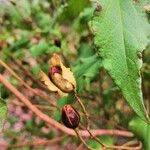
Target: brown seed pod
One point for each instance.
(70, 117)
(56, 77)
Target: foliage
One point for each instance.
(136, 125)
(117, 37)
(3, 113)
(101, 42)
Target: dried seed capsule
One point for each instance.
(70, 117)
(56, 77)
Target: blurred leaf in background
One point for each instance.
(108, 140)
(3, 113)
(142, 130)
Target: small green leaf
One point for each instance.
(86, 70)
(43, 20)
(120, 35)
(3, 113)
(142, 130)
(107, 140)
(41, 48)
(65, 100)
(24, 8)
(57, 115)
(36, 69)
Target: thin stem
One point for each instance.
(79, 147)
(81, 139)
(83, 108)
(87, 119)
(27, 72)
(42, 107)
(125, 147)
(26, 85)
(34, 143)
(96, 139)
(129, 143)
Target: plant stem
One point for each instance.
(81, 139)
(33, 143)
(87, 120)
(83, 108)
(12, 72)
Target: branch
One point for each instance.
(12, 72)
(54, 123)
(34, 143)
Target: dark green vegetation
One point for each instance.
(104, 47)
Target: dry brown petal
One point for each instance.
(60, 78)
(50, 84)
(61, 83)
(67, 74)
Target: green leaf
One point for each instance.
(3, 113)
(107, 140)
(41, 48)
(142, 130)
(73, 9)
(65, 100)
(43, 21)
(120, 36)
(36, 69)
(85, 50)
(15, 16)
(57, 115)
(86, 70)
(24, 8)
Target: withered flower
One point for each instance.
(60, 79)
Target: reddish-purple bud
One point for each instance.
(53, 70)
(70, 117)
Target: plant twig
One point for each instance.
(43, 107)
(134, 142)
(125, 147)
(79, 147)
(87, 120)
(34, 143)
(54, 123)
(26, 85)
(81, 139)
(83, 108)
(27, 72)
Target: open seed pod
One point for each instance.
(70, 117)
(60, 77)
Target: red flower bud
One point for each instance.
(55, 75)
(53, 70)
(70, 117)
